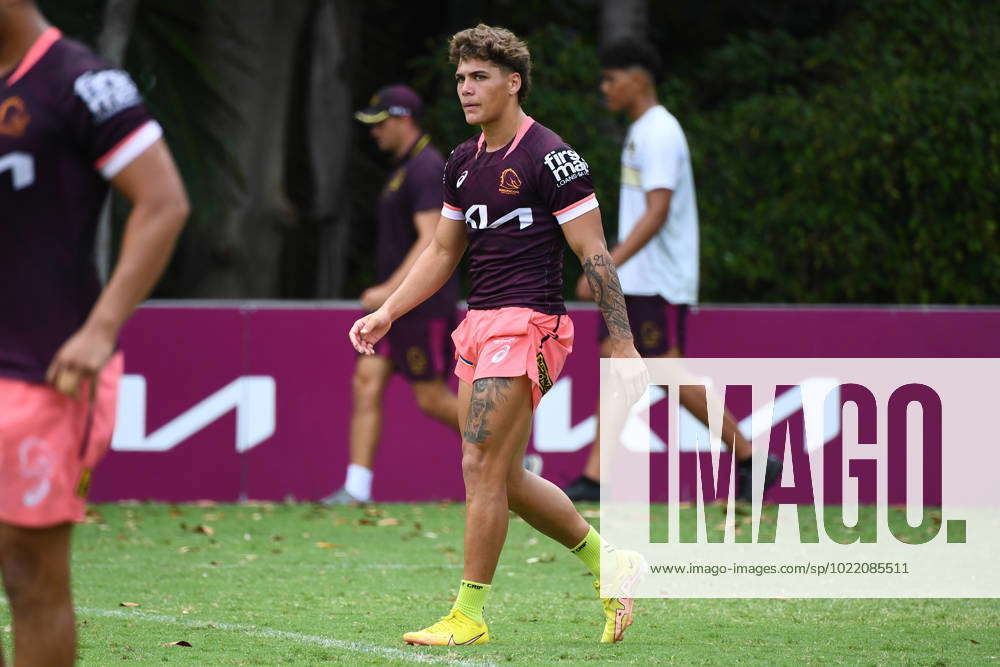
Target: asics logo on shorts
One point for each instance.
(500, 354)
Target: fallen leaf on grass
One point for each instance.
(373, 511)
(387, 521)
(973, 641)
(128, 604)
(544, 558)
(180, 643)
(327, 545)
(364, 522)
(204, 529)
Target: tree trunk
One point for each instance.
(251, 46)
(328, 120)
(623, 20)
(111, 44)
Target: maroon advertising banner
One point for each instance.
(253, 401)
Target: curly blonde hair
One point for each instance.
(496, 45)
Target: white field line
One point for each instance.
(310, 566)
(268, 633)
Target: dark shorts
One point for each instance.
(657, 325)
(420, 347)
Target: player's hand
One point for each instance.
(369, 330)
(80, 358)
(583, 291)
(630, 379)
(373, 298)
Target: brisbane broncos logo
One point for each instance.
(14, 117)
(510, 182)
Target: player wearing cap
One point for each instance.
(511, 196)
(657, 251)
(418, 346)
(69, 123)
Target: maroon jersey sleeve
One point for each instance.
(565, 185)
(108, 118)
(423, 184)
(450, 207)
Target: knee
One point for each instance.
(26, 584)
(367, 388)
(472, 464)
(427, 399)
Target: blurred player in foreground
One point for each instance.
(511, 195)
(69, 123)
(419, 345)
(657, 251)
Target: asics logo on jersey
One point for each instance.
(107, 93)
(461, 178)
(14, 117)
(510, 182)
(477, 217)
(566, 165)
(500, 354)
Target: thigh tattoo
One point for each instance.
(487, 395)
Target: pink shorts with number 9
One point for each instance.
(48, 445)
(511, 342)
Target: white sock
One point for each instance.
(359, 482)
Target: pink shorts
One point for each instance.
(48, 445)
(511, 342)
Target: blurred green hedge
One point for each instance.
(860, 165)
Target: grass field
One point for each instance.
(298, 584)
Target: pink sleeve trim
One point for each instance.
(574, 211)
(129, 149)
(451, 212)
(35, 53)
(592, 195)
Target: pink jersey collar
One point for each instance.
(521, 131)
(35, 53)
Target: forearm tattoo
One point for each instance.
(608, 296)
(487, 395)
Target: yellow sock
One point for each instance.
(472, 599)
(589, 551)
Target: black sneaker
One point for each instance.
(583, 489)
(744, 473)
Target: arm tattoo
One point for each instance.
(487, 395)
(608, 296)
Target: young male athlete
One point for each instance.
(511, 195)
(657, 251)
(69, 123)
(419, 345)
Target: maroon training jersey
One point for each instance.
(68, 124)
(414, 185)
(512, 201)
